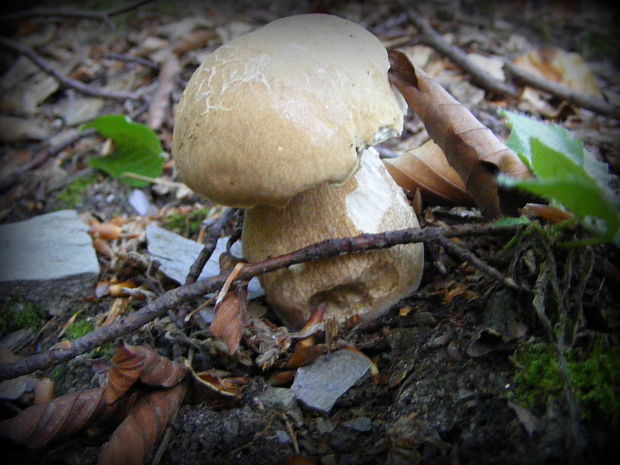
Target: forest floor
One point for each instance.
(468, 371)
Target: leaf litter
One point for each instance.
(434, 406)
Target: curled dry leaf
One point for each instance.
(60, 418)
(562, 67)
(131, 363)
(218, 388)
(470, 147)
(230, 317)
(304, 354)
(426, 168)
(106, 231)
(546, 212)
(135, 437)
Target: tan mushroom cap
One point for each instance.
(284, 108)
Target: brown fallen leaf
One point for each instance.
(426, 168)
(135, 437)
(470, 147)
(230, 317)
(131, 363)
(44, 391)
(59, 418)
(304, 354)
(562, 67)
(106, 231)
(546, 212)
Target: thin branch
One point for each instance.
(41, 157)
(174, 297)
(131, 59)
(103, 16)
(47, 67)
(209, 245)
(466, 255)
(588, 102)
(479, 76)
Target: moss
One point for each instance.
(595, 376)
(78, 329)
(73, 194)
(538, 374)
(19, 313)
(186, 224)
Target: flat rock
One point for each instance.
(48, 259)
(320, 384)
(176, 254)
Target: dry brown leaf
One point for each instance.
(426, 168)
(135, 437)
(103, 248)
(160, 103)
(470, 147)
(59, 418)
(131, 363)
(546, 212)
(230, 317)
(303, 354)
(44, 391)
(562, 67)
(107, 231)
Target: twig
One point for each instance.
(588, 102)
(209, 246)
(40, 158)
(480, 76)
(47, 67)
(131, 59)
(103, 16)
(470, 258)
(174, 297)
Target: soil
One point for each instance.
(445, 393)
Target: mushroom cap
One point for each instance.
(362, 284)
(284, 108)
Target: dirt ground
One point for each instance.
(457, 360)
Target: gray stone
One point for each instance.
(48, 259)
(319, 385)
(359, 424)
(176, 254)
(283, 400)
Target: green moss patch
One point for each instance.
(19, 313)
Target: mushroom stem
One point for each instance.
(364, 284)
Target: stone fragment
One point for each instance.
(48, 259)
(359, 424)
(319, 385)
(283, 400)
(176, 254)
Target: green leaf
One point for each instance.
(136, 149)
(565, 173)
(556, 138)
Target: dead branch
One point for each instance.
(41, 157)
(209, 245)
(131, 59)
(174, 297)
(585, 101)
(104, 16)
(479, 76)
(47, 67)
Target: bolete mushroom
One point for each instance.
(281, 121)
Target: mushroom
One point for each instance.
(281, 121)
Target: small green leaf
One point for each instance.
(508, 222)
(565, 173)
(136, 149)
